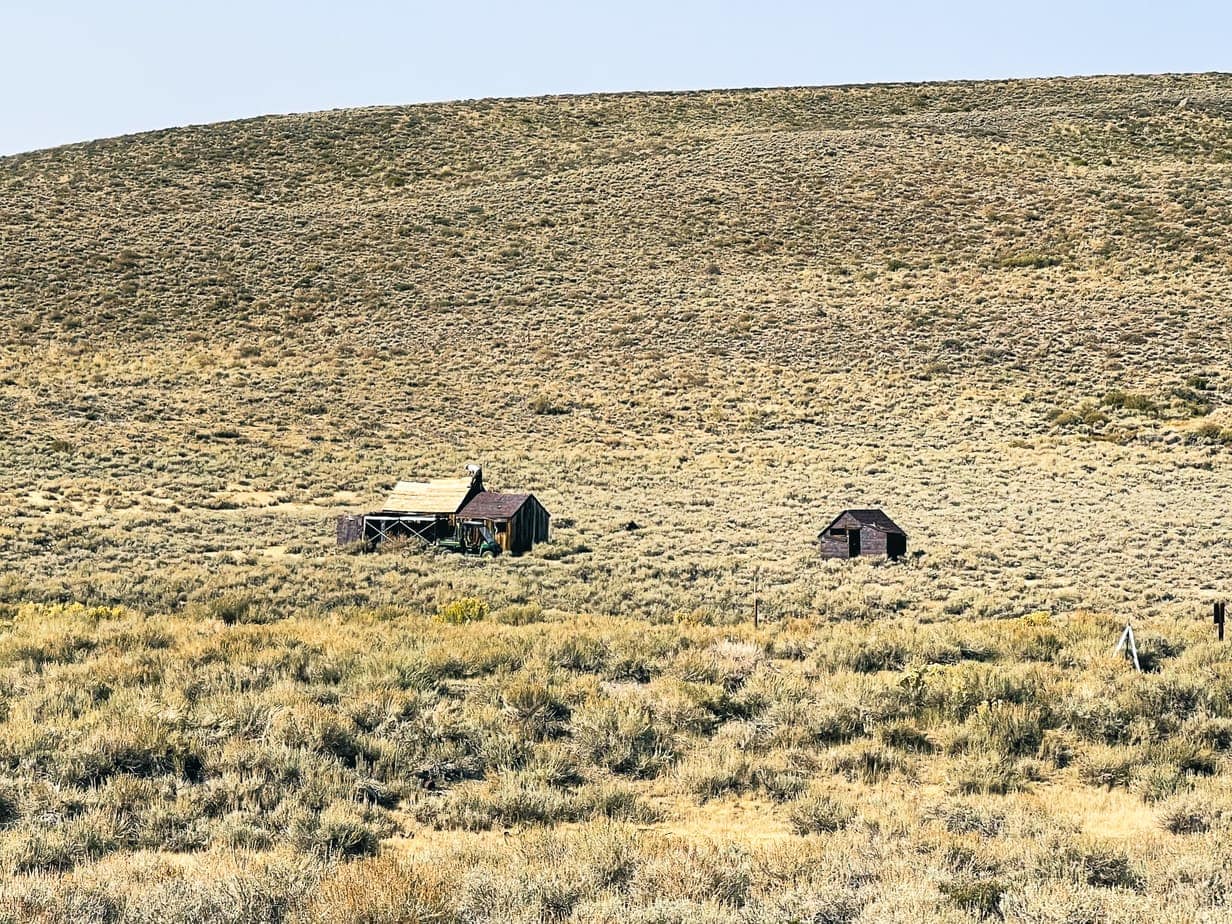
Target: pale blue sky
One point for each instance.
(82, 69)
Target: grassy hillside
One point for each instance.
(999, 310)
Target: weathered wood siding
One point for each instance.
(835, 546)
(872, 541)
(529, 525)
(350, 528)
(846, 521)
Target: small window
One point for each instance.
(502, 527)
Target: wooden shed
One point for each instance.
(867, 533)
(516, 521)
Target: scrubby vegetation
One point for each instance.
(696, 326)
(997, 309)
(987, 761)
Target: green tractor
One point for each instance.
(472, 537)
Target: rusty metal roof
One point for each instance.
(443, 495)
(869, 517)
(489, 505)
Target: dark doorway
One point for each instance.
(896, 545)
(853, 543)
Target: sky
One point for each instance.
(74, 70)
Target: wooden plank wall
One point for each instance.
(834, 546)
(529, 525)
(543, 523)
(872, 541)
(350, 528)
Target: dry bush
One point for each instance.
(819, 814)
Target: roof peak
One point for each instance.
(437, 495)
(869, 516)
(494, 504)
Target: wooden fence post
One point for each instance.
(756, 602)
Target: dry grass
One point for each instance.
(998, 309)
(739, 761)
(750, 310)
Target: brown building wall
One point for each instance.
(350, 528)
(872, 541)
(834, 546)
(528, 526)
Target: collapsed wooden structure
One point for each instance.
(455, 511)
(862, 533)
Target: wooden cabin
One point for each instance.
(862, 533)
(515, 521)
(423, 509)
